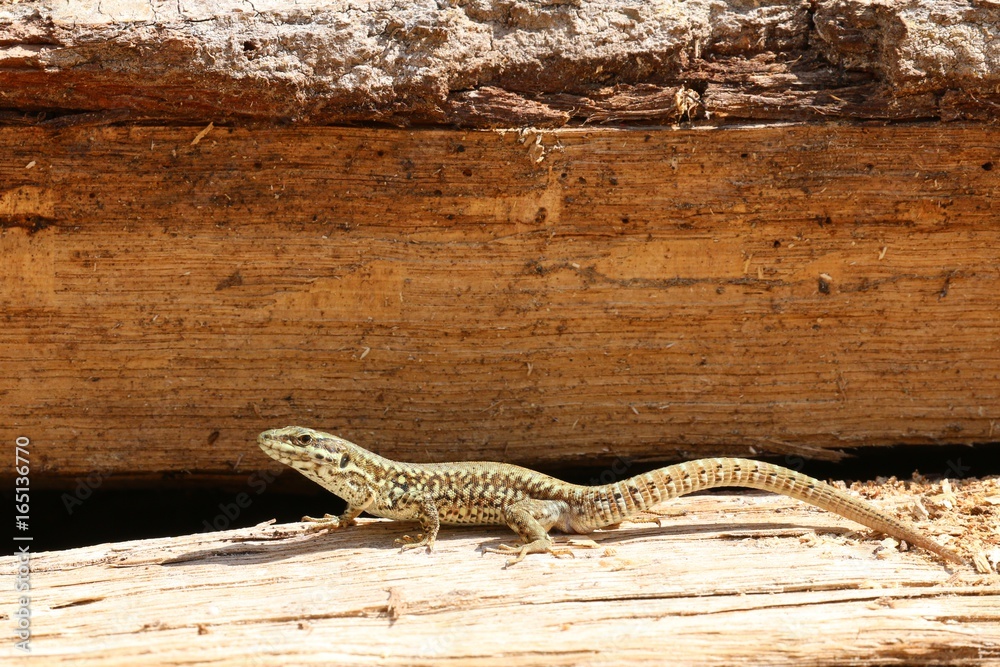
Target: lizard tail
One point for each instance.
(617, 502)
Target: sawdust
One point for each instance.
(961, 513)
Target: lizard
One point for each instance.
(531, 503)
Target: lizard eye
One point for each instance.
(305, 439)
(344, 459)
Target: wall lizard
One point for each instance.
(530, 503)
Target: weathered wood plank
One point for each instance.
(734, 580)
(441, 295)
(499, 62)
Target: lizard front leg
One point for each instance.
(331, 522)
(427, 515)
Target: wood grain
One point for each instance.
(538, 297)
(735, 580)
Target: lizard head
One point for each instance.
(332, 462)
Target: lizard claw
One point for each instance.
(406, 542)
(328, 522)
(536, 547)
(507, 549)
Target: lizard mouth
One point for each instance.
(276, 448)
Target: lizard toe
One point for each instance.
(406, 542)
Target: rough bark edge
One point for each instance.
(490, 63)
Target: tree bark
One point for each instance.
(487, 63)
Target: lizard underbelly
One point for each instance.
(448, 514)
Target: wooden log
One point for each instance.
(498, 62)
(438, 295)
(735, 579)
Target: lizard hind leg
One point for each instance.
(531, 520)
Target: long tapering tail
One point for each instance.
(619, 501)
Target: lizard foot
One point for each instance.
(406, 542)
(536, 547)
(648, 516)
(328, 522)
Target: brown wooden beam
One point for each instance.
(550, 297)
